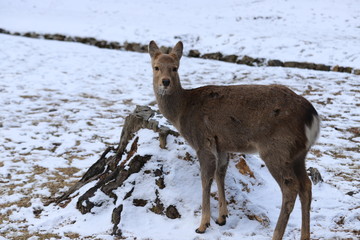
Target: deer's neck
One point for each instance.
(171, 105)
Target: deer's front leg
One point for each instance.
(221, 167)
(207, 168)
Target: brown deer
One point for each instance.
(216, 120)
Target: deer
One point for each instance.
(271, 120)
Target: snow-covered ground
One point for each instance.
(63, 103)
(320, 31)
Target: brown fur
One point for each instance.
(216, 120)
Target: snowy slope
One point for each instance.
(319, 31)
(60, 108)
(62, 103)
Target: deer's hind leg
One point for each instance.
(207, 167)
(305, 186)
(282, 169)
(221, 167)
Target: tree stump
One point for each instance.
(113, 168)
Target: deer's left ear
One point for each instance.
(178, 50)
(154, 50)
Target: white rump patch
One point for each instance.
(312, 132)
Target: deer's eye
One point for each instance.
(156, 68)
(174, 69)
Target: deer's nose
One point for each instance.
(166, 82)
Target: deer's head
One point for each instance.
(165, 68)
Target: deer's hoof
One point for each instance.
(202, 229)
(220, 223)
(199, 231)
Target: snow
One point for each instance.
(317, 31)
(63, 103)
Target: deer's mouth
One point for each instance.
(163, 90)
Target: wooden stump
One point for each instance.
(113, 168)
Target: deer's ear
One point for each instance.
(153, 49)
(178, 50)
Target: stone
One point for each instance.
(165, 49)
(59, 37)
(230, 58)
(172, 213)
(158, 207)
(247, 61)
(139, 202)
(314, 175)
(322, 67)
(213, 56)
(356, 71)
(194, 53)
(31, 35)
(338, 68)
(275, 63)
(115, 45)
(160, 182)
(101, 44)
(4, 31)
(303, 65)
(348, 69)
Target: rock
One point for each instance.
(229, 58)
(59, 37)
(213, 56)
(356, 71)
(31, 35)
(303, 65)
(260, 61)
(314, 175)
(165, 49)
(142, 48)
(101, 44)
(275, 63)
(338, 68)
(114, 45)
(172, 212)
(135, 47)
(251, 61)
(322, 67)
(48, 36)
(139, 202)
(160, 182)
(348, 69)
(90, 41)
(37, 211)
(81, 40)
(290, 64)
(194, 53)
(335, 68)
(4, 31)
(352, 193)
(158, 172)
(69, 39)
(247, 61)
(158, 207)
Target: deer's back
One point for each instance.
(242, 117)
